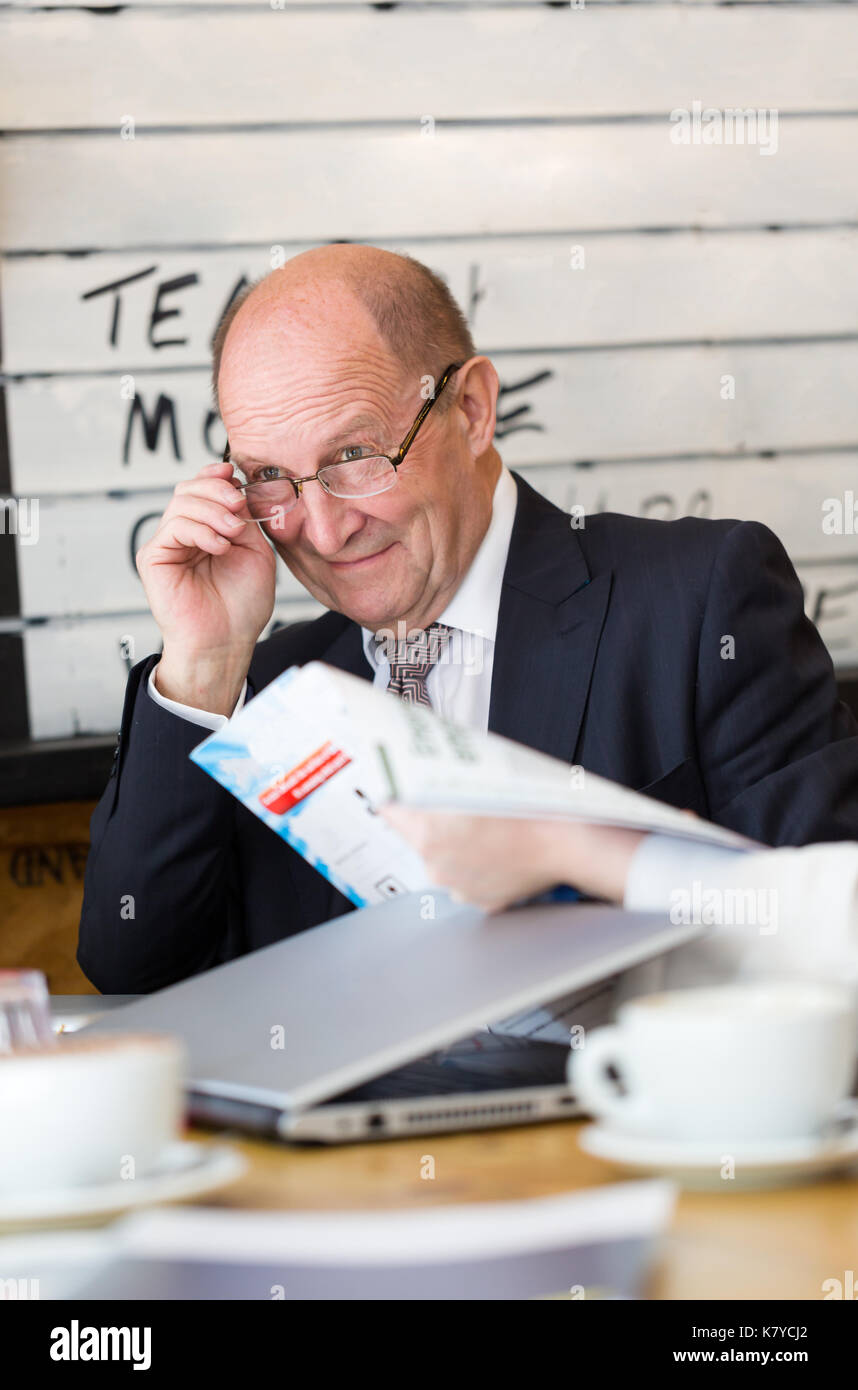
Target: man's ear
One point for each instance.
(477, 389)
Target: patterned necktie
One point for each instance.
(414, 659)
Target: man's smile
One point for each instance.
(364, 561)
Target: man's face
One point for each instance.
(398, 556)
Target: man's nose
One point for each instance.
(328, 521)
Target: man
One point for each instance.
(674, 658)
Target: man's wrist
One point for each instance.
(211, 682)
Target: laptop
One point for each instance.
(379, 1023)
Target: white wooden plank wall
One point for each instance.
(675, 326)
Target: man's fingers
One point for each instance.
(219, 467)
(187, 534)
(212, 513)
(216, 489)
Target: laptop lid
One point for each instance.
(295, 1023)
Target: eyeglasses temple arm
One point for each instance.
(409, 438)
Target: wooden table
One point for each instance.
(723, 1244)
(777, 1244)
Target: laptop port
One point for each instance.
(376, 1121)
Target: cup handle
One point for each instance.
(586, 1071)
(844, 1116)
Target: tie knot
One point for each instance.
(422, 647)
(414, 658)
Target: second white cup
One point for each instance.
(739, 1062)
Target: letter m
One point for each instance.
(164, 408)
(116, 1341)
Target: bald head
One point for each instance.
(409, 307)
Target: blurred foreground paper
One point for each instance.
(316, 751)
(599, 1243)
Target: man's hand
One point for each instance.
(208, 573)
(493, 861)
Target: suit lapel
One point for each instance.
(346, 652)
(549, 624)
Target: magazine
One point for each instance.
(318, 751)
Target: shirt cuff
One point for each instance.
(663, 864)
(203, 717)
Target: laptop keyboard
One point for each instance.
(484, 1062)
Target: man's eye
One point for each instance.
(269, 474)
(353, 451)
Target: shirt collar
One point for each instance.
(474, 606)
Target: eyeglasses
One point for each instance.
(271, 499)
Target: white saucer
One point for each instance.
(701, 1164)
(184, 1170)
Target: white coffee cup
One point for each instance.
(87, 1111)
(740, 1062)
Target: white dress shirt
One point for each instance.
(459, 686)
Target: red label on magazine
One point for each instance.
(304, 778)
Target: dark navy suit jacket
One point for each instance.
(673, 657)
